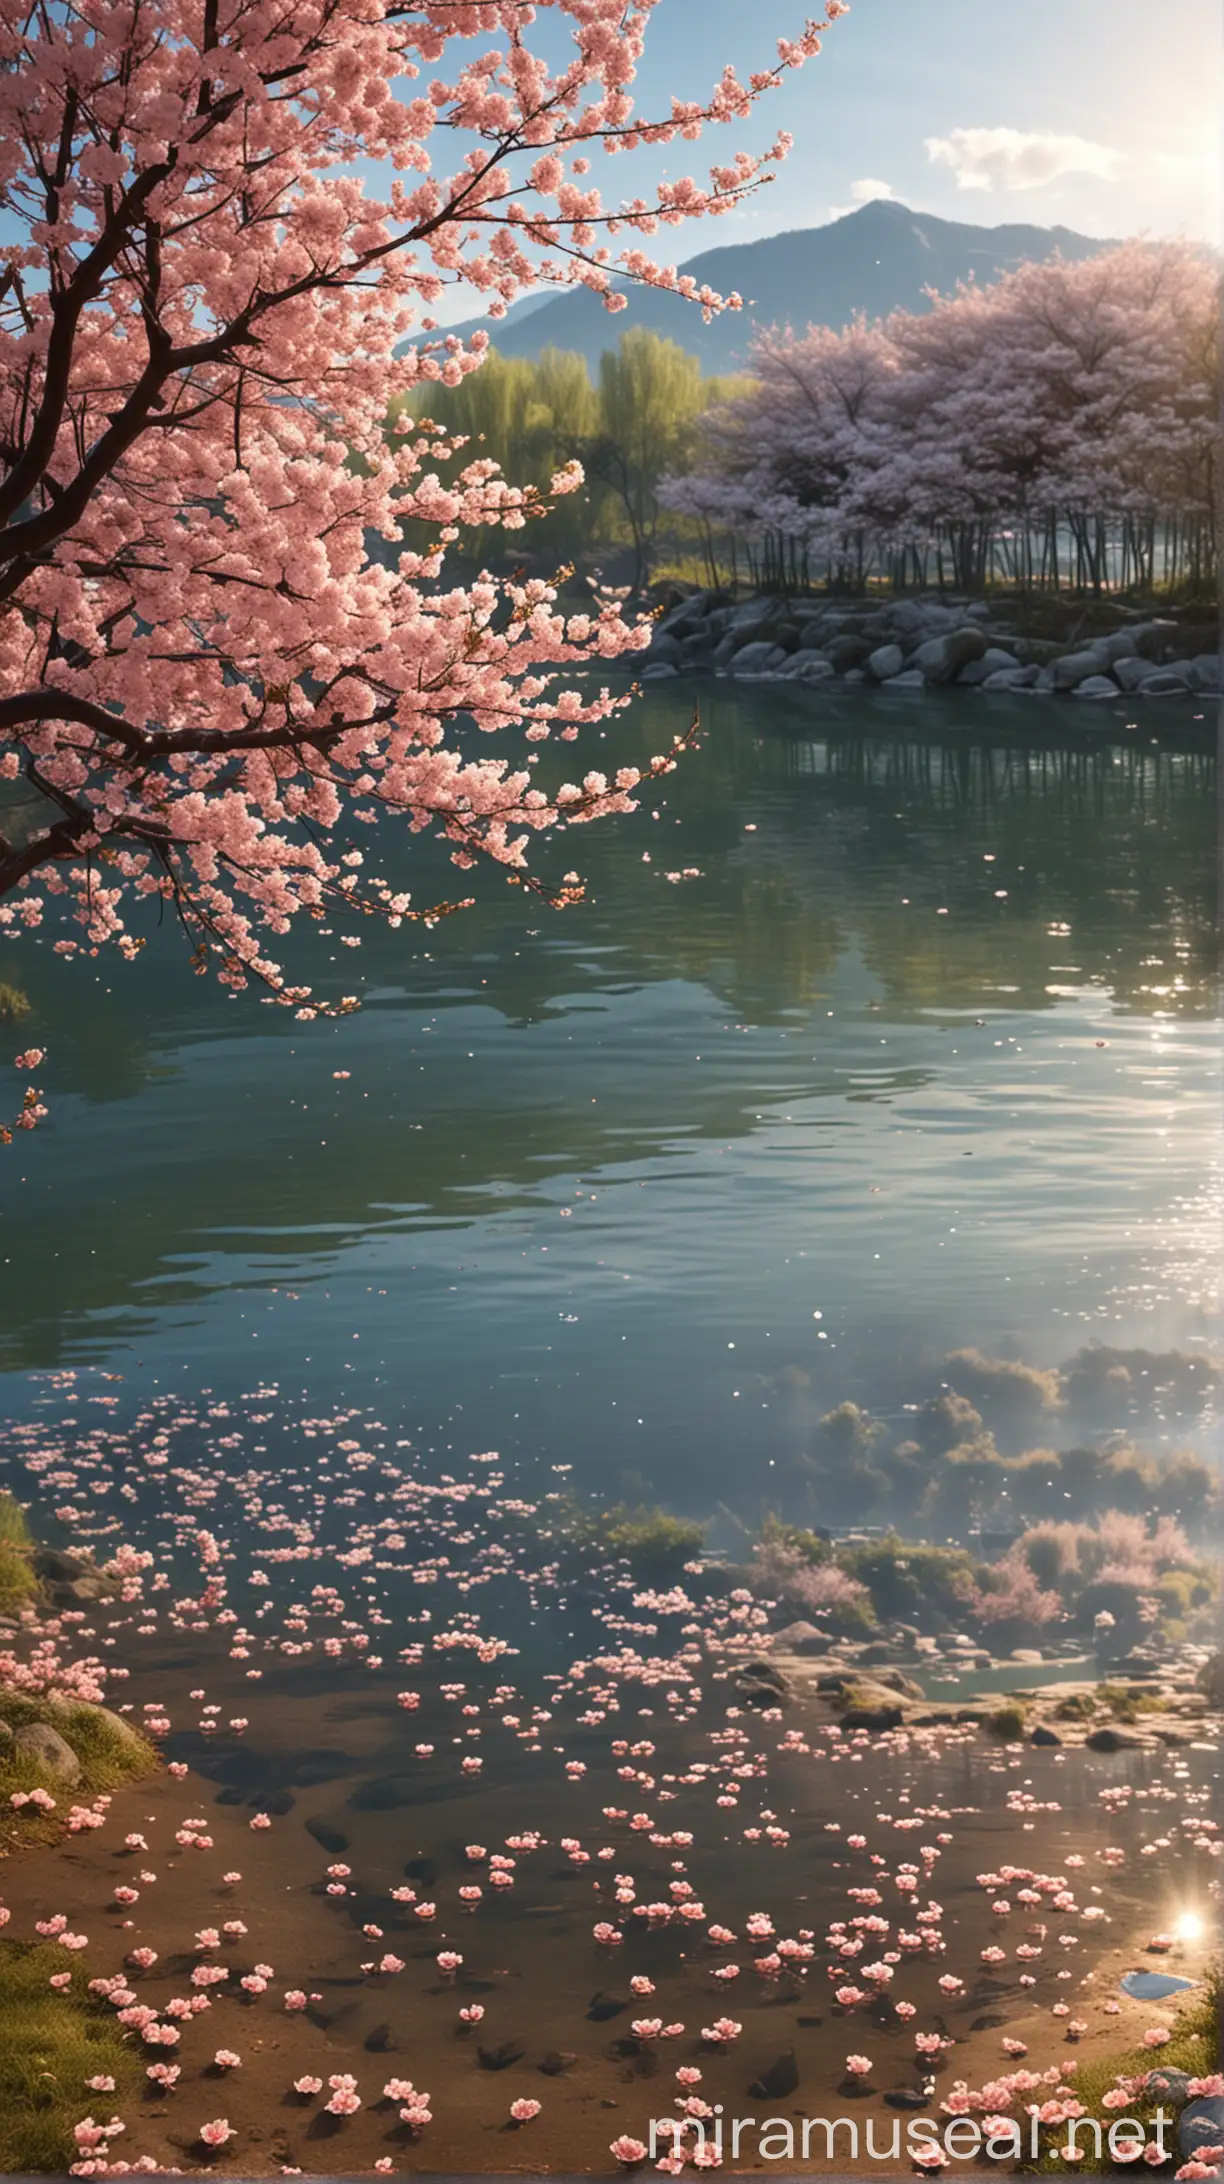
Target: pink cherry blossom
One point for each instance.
(220, 720)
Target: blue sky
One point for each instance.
(1139, 85)
(1099, 115)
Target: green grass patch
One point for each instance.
(109, 1757)
(18, 1584)
(1007, 1723)
(651, 1541)
(1126, 1702)
(1079, 1707)
(1194, 2048)
(51, 2043)
(655, 1544)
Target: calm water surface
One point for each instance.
(927, 1055)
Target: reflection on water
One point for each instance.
(929, 1049)
(1152, 1986)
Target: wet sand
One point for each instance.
(327, 1746)
(377, 1688)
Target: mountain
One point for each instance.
(875, 260)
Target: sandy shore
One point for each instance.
(328, 1749)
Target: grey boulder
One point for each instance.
(847, 651)
(807, 665)
(1119, 645)
(1076, 667)
(1169, 2085)
(885, 662)
(878, 1718)
(1011, 678)
(921, 617)
(753, 612)
(994, 661)
(1201, 2124)
(941, 659)
(1096, 687)
(803, 1638)
(761, 658)
(1164, 682)
(125, 1731)
(47, 1750)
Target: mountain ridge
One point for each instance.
(879, 258)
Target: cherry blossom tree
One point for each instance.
(220, 668)
(1060, 424)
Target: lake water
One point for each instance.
(928, 1055)
(925, 1055)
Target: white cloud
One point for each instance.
(865, 192)
(1017, 159)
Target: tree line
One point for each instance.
(1058, 429)
(635, 425)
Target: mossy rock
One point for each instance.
(42, 1747)
(1007, 1722)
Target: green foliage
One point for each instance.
(653, 1543)
(1180, 1591)
(851, 1432)
(794, 1539)
(13, 1003)
(651, 394)
(906, 1579)
(851, 1618)
(50, 2045)
(1003, 1386)
(1079, 1707)
(14, 1530)
(947, 1422)
(18, 1584)
(531, 418)
(1007, 1723)
(1126, 1702)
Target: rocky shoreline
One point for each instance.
(914, 644)
(1136, 1703)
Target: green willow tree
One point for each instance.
(529, 418)
(651, 394)
(636, 425)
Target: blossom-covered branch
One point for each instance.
(211, 678)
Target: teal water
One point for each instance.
(928, 1055)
